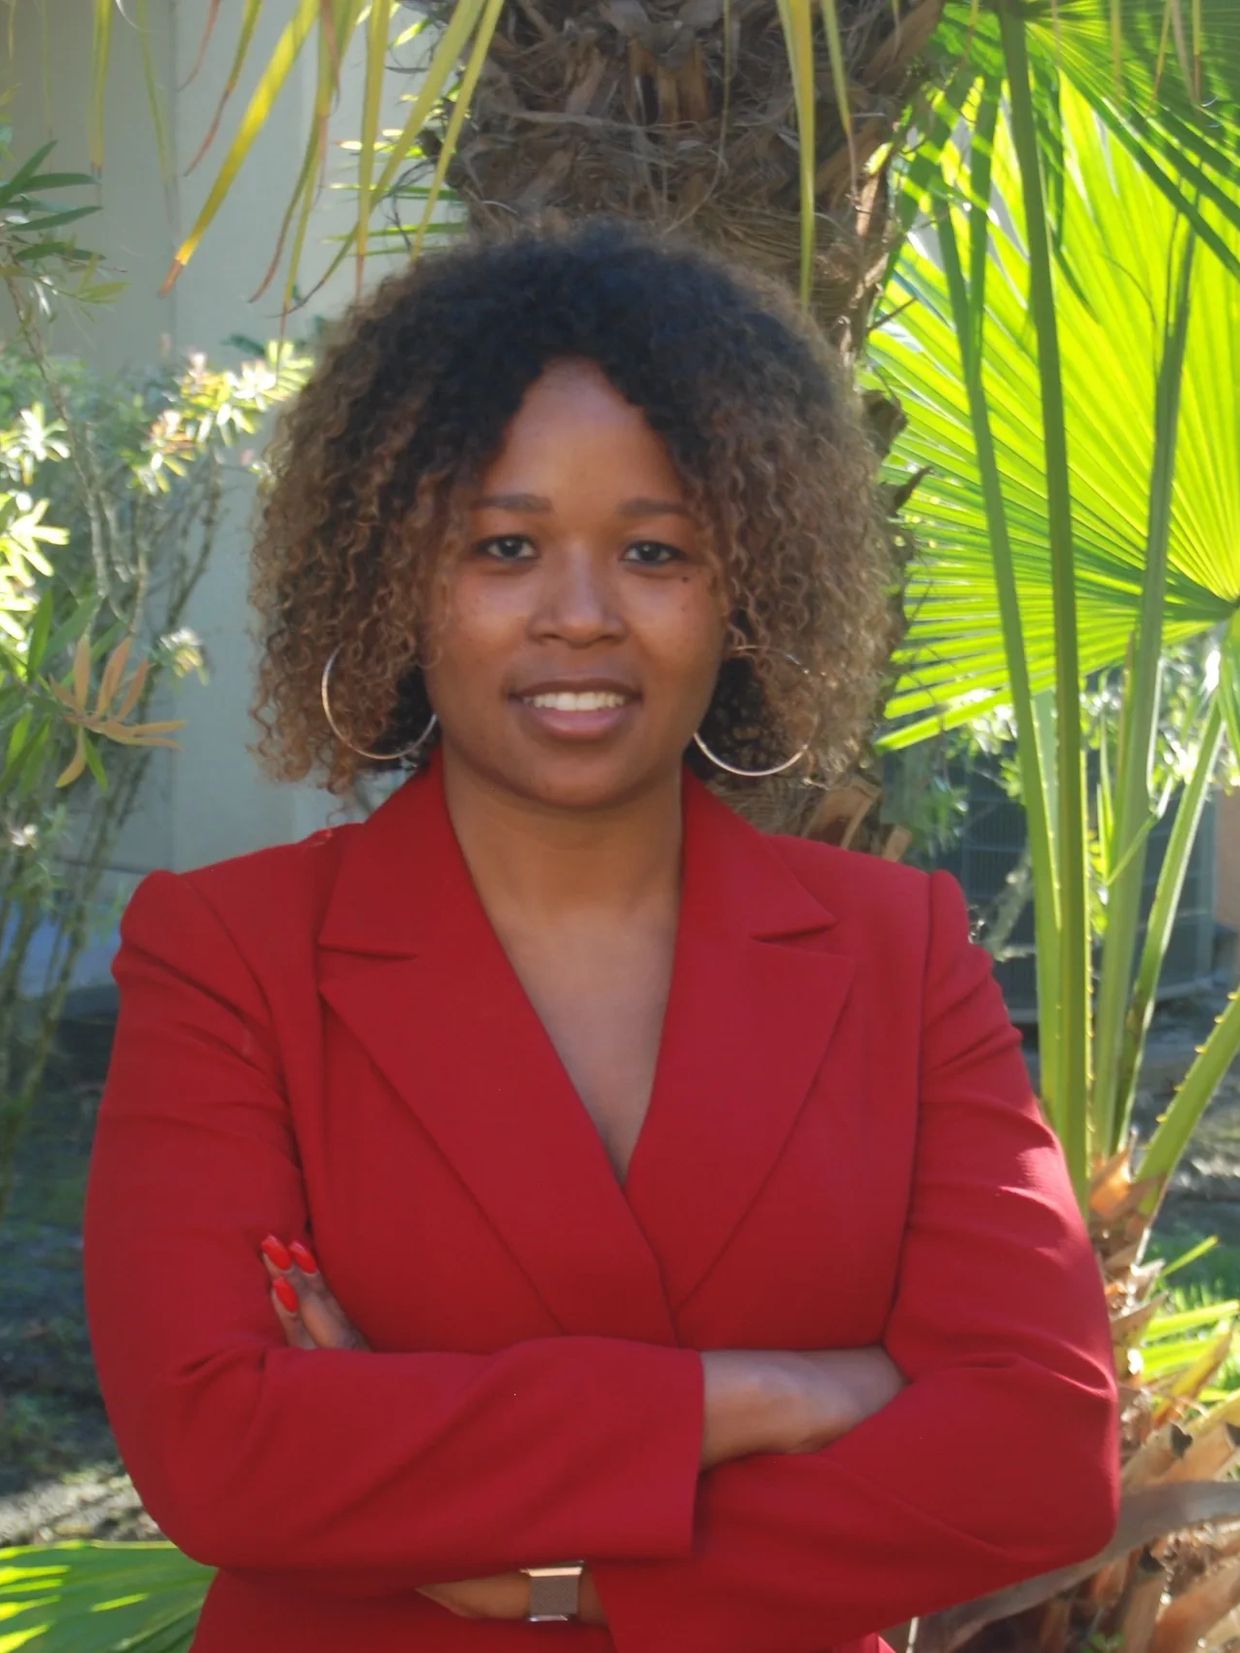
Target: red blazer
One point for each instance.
(325, 1040)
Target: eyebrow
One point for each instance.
(536, 503)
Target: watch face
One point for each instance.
(554, 1592)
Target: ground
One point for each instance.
(59, 1473)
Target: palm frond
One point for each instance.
(1121, 230)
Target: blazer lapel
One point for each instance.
(410, 963)
(754, 1002)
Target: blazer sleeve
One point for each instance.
(361, 1472)
(999, 1460)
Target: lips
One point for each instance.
(604, 708)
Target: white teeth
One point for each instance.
(592, 701)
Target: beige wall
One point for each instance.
(207, 801)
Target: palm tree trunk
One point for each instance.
(680, 113)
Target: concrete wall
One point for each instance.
(210, 801)
(207, 801)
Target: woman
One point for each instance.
(555, 1170)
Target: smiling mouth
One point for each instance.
(577, 716)
(585, 700)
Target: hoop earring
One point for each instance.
(382, 757)
(756, 774)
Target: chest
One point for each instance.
(602, 1004)
(755, 1106)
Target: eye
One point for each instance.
(667, 553)
(501, 546)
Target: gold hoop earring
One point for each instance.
(382, 757)
(757, 774)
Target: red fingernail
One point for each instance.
(304, 1257)
(287, 1295)
(277, 1251)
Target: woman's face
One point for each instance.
(583, 573)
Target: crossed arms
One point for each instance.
(998, 1460)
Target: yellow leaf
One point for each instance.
(134, 692)
(63, 695)
(76, 764)
(270, 83)
(159, 728)
(112, 674)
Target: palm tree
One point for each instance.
(1146, 314)
(771, 127)
(813, 140)
(774, 130)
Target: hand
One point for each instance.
(311, 1318)
(309, 1315)
(790, 1400)
(837, 1389)
(502, 1596)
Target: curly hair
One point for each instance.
(371, 466)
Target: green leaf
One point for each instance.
(249, 22)
(52, 180)
(100, 53)
(40, 632)
(376, 62)
(1211, 1315)
(1190, 1256)
(50, 220)
(272, 80)
(72, 627)
(100, 1598)
(1184, 138)
(163, 147)
(44, 249)
(1119, 232)
(465, 18)
(473, 68)
(20, 181)
(95, 763)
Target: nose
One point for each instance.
(577, 597)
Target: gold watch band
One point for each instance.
(554, 1592)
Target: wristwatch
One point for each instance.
(554, 1592)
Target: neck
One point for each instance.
(538, 863)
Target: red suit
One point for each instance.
(325, 1040)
